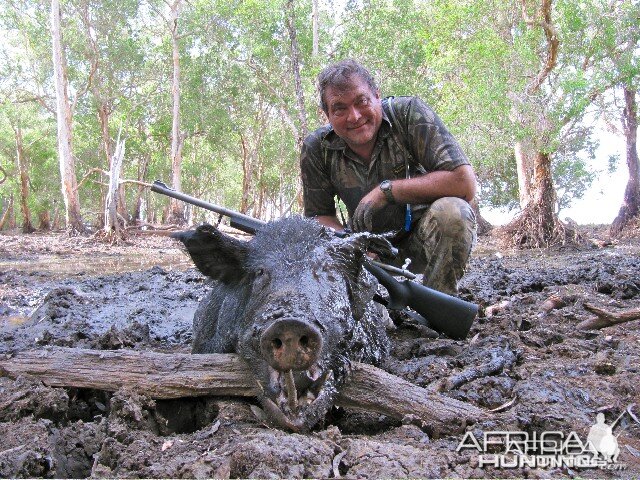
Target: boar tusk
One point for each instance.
(314, 372)
(292, 394)
(278, 417)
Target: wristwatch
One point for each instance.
(385, 186)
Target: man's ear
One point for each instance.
(218, 256)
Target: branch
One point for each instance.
(500, 361)
(544, 21)
(137, 182)
(104, 172)
(286, 117)
(84, 15)
(607, 319)
(34, 98)
(90, 172)
(157, 229)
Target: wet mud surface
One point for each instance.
(525, 358)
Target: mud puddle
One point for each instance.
(526, 364)
(59, 267)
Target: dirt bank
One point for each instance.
(524, 357)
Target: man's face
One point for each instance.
(355, 113)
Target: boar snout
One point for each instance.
(290, 344)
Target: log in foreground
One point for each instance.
(176, 375)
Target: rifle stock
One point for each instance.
(445, 313)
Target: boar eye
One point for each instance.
(260, 279)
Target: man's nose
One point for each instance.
(353, 115)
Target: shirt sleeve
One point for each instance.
(317, 190)
(434, 146)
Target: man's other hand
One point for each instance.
(368, 206)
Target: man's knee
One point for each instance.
(453, 217)
(446, 234)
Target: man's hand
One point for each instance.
(370, 204)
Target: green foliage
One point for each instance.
(386, 36)
(38, 139)
(471, 60)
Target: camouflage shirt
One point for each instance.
(412, 137)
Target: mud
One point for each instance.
(523, 357)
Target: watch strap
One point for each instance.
(385, 186)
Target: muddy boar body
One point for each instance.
(296, 304)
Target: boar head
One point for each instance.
(296, 304)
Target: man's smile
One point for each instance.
(359, 126)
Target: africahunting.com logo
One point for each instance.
(548, 449)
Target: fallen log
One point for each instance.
(606, 318)
(176, 375)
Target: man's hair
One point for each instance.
(339, 75)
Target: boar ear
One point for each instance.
(215, 254)
(352, 251)
(375, 243)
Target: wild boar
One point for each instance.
(296, 304)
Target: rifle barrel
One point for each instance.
(238, 220)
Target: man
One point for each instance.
(395, 166)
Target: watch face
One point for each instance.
(385, 186)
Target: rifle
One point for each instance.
(444, 313)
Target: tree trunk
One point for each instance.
(44, 220)
(64, 121)
(104, 113)
(538, 225)
(247, 175)
(176, 209)
(27, 225)
(111, 222)
(260, 208)
(164, 376)
(7, 215)
(103, 118)
(543, 192)
(524, 166)
(631, 203)
(315, 21)
(484, 227)
(295, 67)
(142, 174)
(56, 216)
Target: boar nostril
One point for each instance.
(291, 344)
